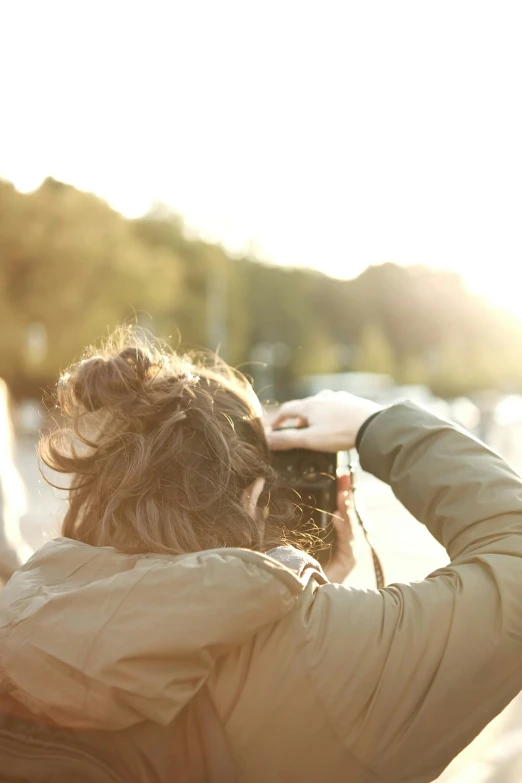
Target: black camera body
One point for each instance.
(309, 479)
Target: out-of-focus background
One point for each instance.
(328, 194)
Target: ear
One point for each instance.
(251, 495)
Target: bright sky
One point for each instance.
(332, 134)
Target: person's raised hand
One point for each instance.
(329, 421)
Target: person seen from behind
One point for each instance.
(175, 632)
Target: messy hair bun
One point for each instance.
(161, 447)
(106, 382)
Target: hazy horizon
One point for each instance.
(331, 138)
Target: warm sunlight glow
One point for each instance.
(327, 135)
(500, 289)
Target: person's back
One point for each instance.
(173, 590)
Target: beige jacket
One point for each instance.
(312, 681)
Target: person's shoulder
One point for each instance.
(293, 567)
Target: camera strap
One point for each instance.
(377, 565)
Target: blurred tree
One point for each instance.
(71, 268)
(70, 263)
(374, 352)
(413, 370)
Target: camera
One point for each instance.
(309, 480)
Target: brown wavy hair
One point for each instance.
(160, 447)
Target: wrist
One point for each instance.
(364, 425)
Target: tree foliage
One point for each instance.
(74, 267)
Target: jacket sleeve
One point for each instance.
(410, 674)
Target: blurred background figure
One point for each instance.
(13, 496)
